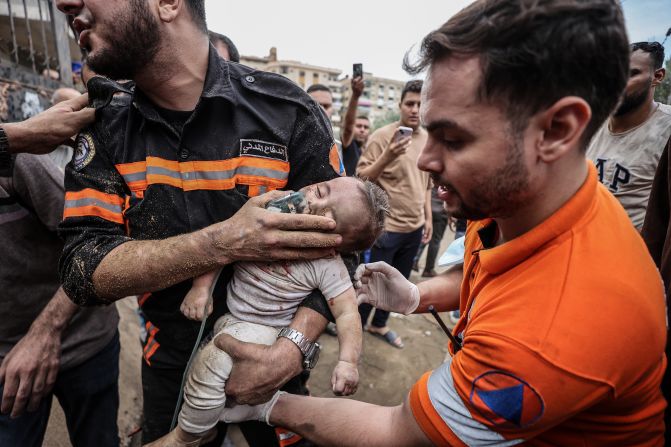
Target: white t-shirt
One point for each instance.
(270, 292)
(627, 161)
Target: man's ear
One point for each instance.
(563, 125)
(168, 10)
(659, 75)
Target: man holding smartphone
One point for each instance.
(390, 160)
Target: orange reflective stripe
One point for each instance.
(131, 168)
(93, 211)
(205, 175)
(286, 437)
(89, 202)
(88, 193)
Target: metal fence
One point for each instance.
(35, 35)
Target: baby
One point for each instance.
(264, 296)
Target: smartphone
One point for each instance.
(357, 71)
(294, 203)
(402, 132)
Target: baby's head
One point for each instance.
(358, 207)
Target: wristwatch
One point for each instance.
(310, 349)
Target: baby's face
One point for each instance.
(342, 199)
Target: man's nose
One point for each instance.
(70, 6)
(428, 159)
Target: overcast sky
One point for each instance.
(376, 33)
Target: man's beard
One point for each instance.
(633, 101)
(499, 194)
(130, 46)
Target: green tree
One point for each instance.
(663, 90)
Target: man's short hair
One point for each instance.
(197, 10)
(363, 117)
(534, 52)
(233, 54)
(654, 49)
(318, 88)
(414, 86)
(377, 205)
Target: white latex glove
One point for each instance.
(241, 413)
(384, 287)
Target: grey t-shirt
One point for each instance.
(627, 161)
(31, 206)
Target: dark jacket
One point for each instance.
(136, 176)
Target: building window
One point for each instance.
(284, 69)
(315, 78)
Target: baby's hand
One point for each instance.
(345, 379)
(195, 304)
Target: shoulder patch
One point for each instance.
(85, 150)
(263, 149)
(505, 400)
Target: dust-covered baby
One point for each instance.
(263, 297)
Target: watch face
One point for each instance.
(310, 360)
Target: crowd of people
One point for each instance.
(174, 191)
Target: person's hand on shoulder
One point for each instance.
(45, 131)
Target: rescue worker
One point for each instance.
(158, 190)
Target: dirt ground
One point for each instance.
(386, 373)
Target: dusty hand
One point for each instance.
(241, 413)
(259, 370)
(45, 131)
(29, 372)
(197, 303)
(255, 234)
(384, 287)
(345, 379)
(357, 86)
(397, 148)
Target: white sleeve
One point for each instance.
(332, 276)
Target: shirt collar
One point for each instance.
(217, 85)
(499, 259)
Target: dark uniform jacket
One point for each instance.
(136, 177)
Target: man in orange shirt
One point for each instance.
(547, 353)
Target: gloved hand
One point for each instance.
(384, 287)
(241, 413)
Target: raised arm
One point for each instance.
(347, 133)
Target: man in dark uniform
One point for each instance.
(158, 190)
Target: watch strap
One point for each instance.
(304, 344)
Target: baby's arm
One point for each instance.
(197, 304)
(345, 378)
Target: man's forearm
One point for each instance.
(373, 171)
(350, 118)
(442, 291)
(339, 422)
(18, 136)
(56, 315)
(138, 267)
